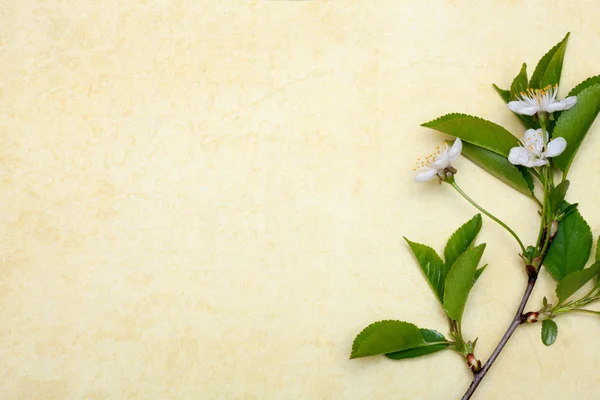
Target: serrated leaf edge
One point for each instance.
(483, 247)
(585, 270)
(591, 81)
(589, 250)
(365, 334)
(451, 116)
(513, 91)
(478, 225)
(503, 93)
(547, 58)
(439, 296)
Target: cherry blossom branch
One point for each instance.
(544, 239)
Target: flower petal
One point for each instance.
(521, 107)
(533, 136)
(555, 147)
(442, 161)
(425, 176)
(455, 150)
(571, 101)
(519, 156)
(562, 105)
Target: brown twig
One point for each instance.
(517, 320)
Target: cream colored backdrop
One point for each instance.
(206, 200)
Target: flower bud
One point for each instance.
(528, 254)
(553, 229)
(473, 363)
(531, 317)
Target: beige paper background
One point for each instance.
(206, 200)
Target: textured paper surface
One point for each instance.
(207, 200)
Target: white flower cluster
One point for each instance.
(535, 145)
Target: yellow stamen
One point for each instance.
(422, 163)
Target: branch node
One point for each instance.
(532, 272)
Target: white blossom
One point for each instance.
(535, 100)
(438, 162)
(535, 149)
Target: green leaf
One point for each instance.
(574, 281)
(478, 273)
(434, 343)
(574, 123)
(519, 84)
(594, 80)
(598, 250)
(558, 195)
(568, 210)
(386, 337)
(476, 131)
(431, 265)
(498, 166)
(432, 336)
(418, 351)
(527, 176)
(529, 253)
(503, 93)
(549, 332)
(460, 281)
(461, 240)
(571, 247)
(548, 70)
